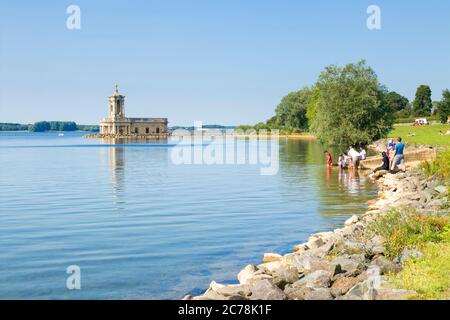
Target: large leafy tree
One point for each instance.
(443, 107)
(422, 103)
(291, 112)
(396, 101)
(351, 106)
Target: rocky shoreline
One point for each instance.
(343, 264)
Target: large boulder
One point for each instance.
(316, 279)
(307, 263)
(266, 290)
(344, 284)
(250, 274)
(245, 274)
(270, 257)
(352, 220)
(386, 266)
(350, 265)
(284, 275)
(362, 291)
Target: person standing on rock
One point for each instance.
(398, 157)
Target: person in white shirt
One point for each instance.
(354, 155)
(362, 153)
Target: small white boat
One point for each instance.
(61, 134)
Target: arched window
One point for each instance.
(157, 130)
(136, 130)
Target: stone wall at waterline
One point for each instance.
(358, 270)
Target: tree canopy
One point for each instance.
(351, 106)
(42, 126)
(443, 107)
(291, 112)
(422, 103)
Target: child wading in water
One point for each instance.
(329, 159)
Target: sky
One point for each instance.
(218, 61)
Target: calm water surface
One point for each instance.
(141, 227)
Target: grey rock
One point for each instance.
(318, 294)
(234, 290)
(316, 279)
(362, 291)
(295, 292)
(213, 295)
(394, 294)
(441, 189)
(377, 249)
(344, 284)
(349, 266)
(266, 290)
(408, 254)
(285, 275)
(386, 265)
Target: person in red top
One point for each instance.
(329, 159)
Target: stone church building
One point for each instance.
(119, 125)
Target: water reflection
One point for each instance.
(147, 165)
(304, 173)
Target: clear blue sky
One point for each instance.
(219, 61)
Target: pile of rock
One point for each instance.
(343, 264)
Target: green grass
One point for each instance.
(429, 276)
(404, 228)
(429, 135)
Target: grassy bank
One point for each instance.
(429, 234)
(429, 135)
(428, 274)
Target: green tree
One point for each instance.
(398, 103)
(422, 103)
(351, 107)
(40, 126)
(443, 107)
(291, 112)
(312, 106)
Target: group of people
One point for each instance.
(393, 156)
(349, 159)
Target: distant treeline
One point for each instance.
(13, 127)
(42, 126)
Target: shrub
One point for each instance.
(439, 167)
(401, 229)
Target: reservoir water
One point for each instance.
(142, 227)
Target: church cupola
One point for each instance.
(117, 105)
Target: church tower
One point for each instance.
(116, 105)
